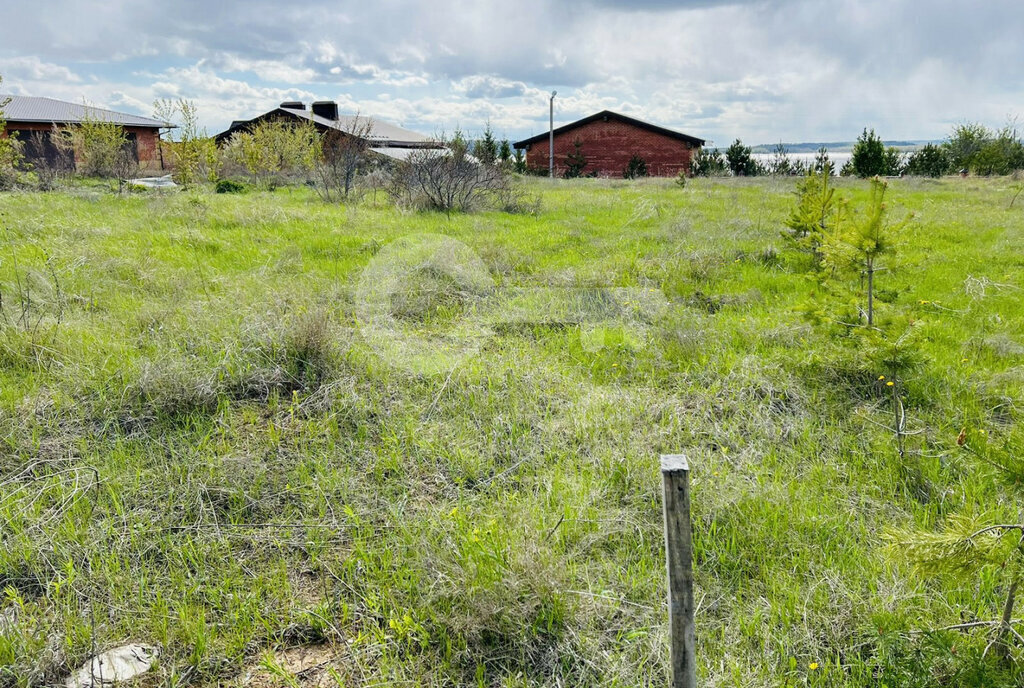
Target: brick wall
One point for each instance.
(147, 141)
(608, 146)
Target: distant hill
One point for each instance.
(835, 146)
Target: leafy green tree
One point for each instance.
(964, 144)
(637, 167)
(741, 160)
(930, 161)
(101, 147)
(708, 162)
(1001, 155)
(193, 151)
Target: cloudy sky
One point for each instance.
(761, 70)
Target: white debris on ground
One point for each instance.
(120, 664)
(165, 182)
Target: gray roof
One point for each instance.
(380, 132)
(36, 109)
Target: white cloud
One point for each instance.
(720, 69)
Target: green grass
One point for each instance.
(200, 451)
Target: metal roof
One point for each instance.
(36, 109)
(382, 134)
(606, 115)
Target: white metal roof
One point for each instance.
(37, 109)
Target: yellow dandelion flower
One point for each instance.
(881, 377)
(812, 666)
(890, 383)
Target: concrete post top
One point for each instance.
(671, 463)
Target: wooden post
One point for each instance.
(675, 473)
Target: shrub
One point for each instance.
(229, 186)
(275, 151)
(444, 179)
(708, 163)
(964, 144)
(100, 147)
(637, 167)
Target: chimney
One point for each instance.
(327, 109)
(293, 105)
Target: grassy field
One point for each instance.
(201, 452)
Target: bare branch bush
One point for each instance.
(344, 156)
(449, 179)
(51, 157)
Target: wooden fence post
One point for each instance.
(675, 473)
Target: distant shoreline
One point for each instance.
(836, 146)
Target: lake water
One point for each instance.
(838, 158)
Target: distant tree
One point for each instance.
(868, 158)
(964, 144)
(893, 162)
(519, 161)
(780, 163)
(576, 161)
(741, 160)
(193, 152)
(930, 161)
(486, 148)
(823, 163)
(637, 167)
(505, 152)
(708, 162)
(1001, 155)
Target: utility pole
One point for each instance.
(551, 136)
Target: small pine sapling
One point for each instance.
(815, 214)
(967, 549)
(859, 244)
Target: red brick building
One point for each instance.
(608, 141)
(33, 119)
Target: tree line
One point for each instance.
(970, 148)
